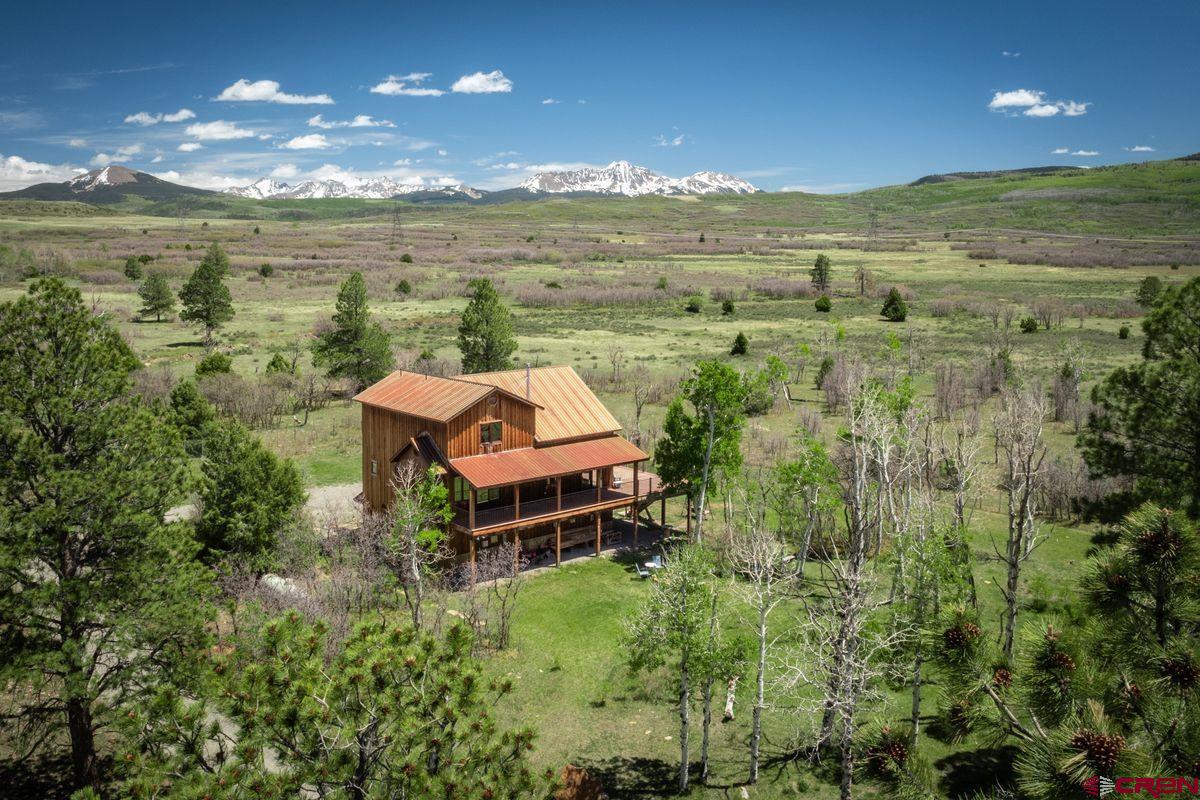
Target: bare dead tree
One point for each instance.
(1022, 452)
(416, 544)
(489, 591)
(616, 357)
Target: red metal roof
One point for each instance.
(427, 396)
(567, 407)
(531, 463)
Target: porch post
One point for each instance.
(596, 479)
(597, 515)
(471, 513)
(516, 552)
(517, 505)
(558, 490)
(558, 542)
(635, 503)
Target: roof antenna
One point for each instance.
(526, 380)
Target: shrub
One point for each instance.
(662, 283)
(266, 270)
(133, 268)
(406, 258)
(694, 304)
(278, 365)
(214, 364)
(726, 307)
(741, 345)
(552, 285)
(824, 304)
(404, 287)
(823, 371)
(894, 308)
(1123, 332)
(1029, 325)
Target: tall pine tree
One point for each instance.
(205, 297)
(98, 595)
(354, 347)
(156, 295)
(485, 336)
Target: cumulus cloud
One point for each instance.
(201, 179)
(674, 141)
(145, 118)
(218, 130)
(1086, 153)
(550, 101)
(360, 121)
(1033, 103)
(1010, 54)
(244, 91)
(77, 142)
(482, 83)
(1060, 151)
(409, 85)
(310, 141)
(189, 147)
(1140, 148)
(17, 172)
(285, 171)
(120, 154)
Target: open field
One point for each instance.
(602, 285)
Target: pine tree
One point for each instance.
(485, 336)
(741, 345)
(133, 268)
(354, 347)
(98, 595)
(205, 297)
(157, 297)
(894, 308)
(820, 273)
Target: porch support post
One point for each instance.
(471, 513)
(517, 502)
(635, 503)
(597, 515)
(516, 552)
(558, 542)
(558, 491)
(596, 479)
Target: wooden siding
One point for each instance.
(463, 431)
(384, 433)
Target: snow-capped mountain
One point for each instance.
(623, 178)
(367, 188)
(98, 178)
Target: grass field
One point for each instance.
(602, 285)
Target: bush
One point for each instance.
(823, 304)
(266, 270)
(552, 285)
(404, 287)
(133, 268)
(1029, 325)
(278, 365)
(214, 364)
(662, 283)
(823, 371)
(694, 304)
(726, 307)
(1123, 332)
(406, 258)
(741, 345)
(894, 308)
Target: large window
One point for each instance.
(490, 432)
(462, 493)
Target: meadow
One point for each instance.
(605, 286)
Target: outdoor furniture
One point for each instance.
(643, 573)
(658, 562)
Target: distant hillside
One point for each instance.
(947, 177)
(107, 186)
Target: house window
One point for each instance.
(487, 495)
(490, 432)
(374, 468)
(462, 493)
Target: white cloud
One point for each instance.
(1017, 98)
(268, 92)
(77, 142)
(17, 172)
(285, 171)
(550, 101)
(821, 188)
(409, 85)
(482, 83)
(1060, 151)
(360, 121)
(145, 118)
(1009, 54)
(1140, 148)
(1085, 153)
(201, 179)
(674, 141)
(157, 159)
(189, 147)
(218, 130)
(1035, 104)
(120, 154)
(310, 141)
(442, 153)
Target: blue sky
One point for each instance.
(823, 97)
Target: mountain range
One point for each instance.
(363, 188)
(107, 186)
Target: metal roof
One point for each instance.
(427, 396)
(531, 463)
(567, 407)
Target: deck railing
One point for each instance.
(532, 510)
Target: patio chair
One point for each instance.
(658, 562)
(643, 573)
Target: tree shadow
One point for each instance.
(44, 778)
(625, 777)
(184, 344)
(969, 773)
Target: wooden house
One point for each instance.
(529, 455)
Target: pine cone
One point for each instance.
(961, 635)
(1060, 660)
(1182, 672)
(1002, 677)
(1102, 750)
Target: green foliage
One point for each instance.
(741, 345)
(662, 283)
(1123, 332)
(1028, 325)
(485, 335)
(205, 297)
(406, 258)
(1146, 420)
(727, 307)
(214, 364)
(694, 305)
(394, 714)
(1149, 290)
(353, 346)
(761, 386)
(403, 287)
(266, 270)
(820, 273)
(157, 297)
(98, 596)
(191, 415)
(894, 308)
(247, 495)
(823, 304)
(133, 268)
(701, 238)
(826, 366)
(278, 365)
